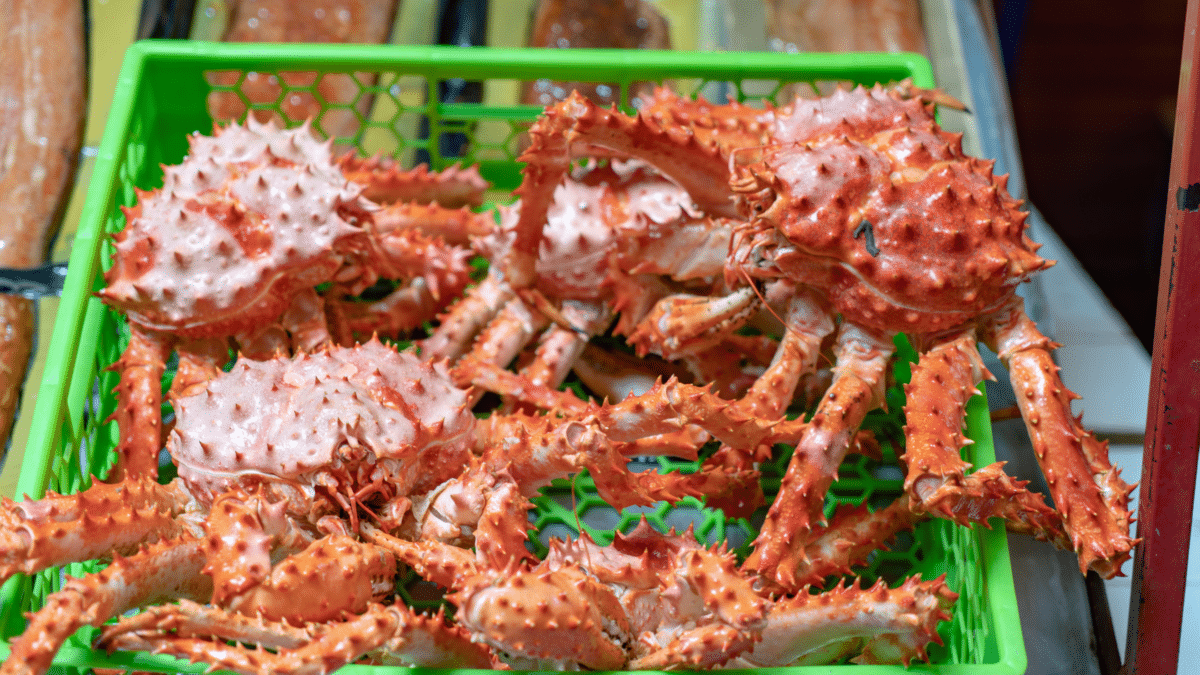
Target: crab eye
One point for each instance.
(757, 203)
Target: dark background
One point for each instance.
(1093, 88)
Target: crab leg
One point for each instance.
(139, 404)
(680, 323)
(466, 318)
(852, 534)
(729, 596)
(188, 619)
(561, 347)
(305, 320)
(704, 647)
(402, 311)
(862, 358)
(501, 341)
(532, 451)
(409, 253)
(200, 360)
(806, 325)
(329, 576)
(385, 182)
(333, 575)
(881, 624)
(58, 529)
(1087, 490)
(456, 227)
(991, 493)
(165, 570)
(391, 632)
(264, 342)
(533, 614)
(943, 379)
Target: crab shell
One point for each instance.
(862, 194)
(294, 424)
(252, 215)
(623, 208)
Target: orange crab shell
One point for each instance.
(200, 261)
(918, 250)
(286, 421)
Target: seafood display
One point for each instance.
(591, 24)
(310, 93)
(348, 402)
(42, 94)
(845, 26)
(856, 205)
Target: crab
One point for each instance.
(281, 464)
(866, 220)
(229, 252)
(653, 601)
(276, 461)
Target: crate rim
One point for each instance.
(79, 307)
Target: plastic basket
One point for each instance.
(161, 98)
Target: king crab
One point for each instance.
(857, 206)
(252, 221)
(650, 601)
(280, 461)
(273, 458)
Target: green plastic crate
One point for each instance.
(161, 98)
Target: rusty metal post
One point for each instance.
(1173, 418)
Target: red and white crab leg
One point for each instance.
(456, 227)
(166, 570)
(943, 379)
(501, 340)
(852, 534)
(740, 615)
(188, 619)
(403, 310)
(880, 624)
(200, 360)
(680, 323)
(59, 529)
(524, 453)
(139, 404)
(666, 409)
(391, 632)
(466, 318)
(1087, 489)
(410, 253)
(806, 324)
(858, 384)
(564, 616)
(304, 319)
(561, 346)
(385, 182)
(332, 575)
